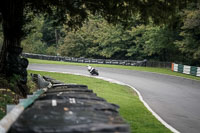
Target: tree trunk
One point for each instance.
(11, 65)
(12, 16)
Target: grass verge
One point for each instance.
(9, 97)
(131, 108)
(6, 97)
(147, 69)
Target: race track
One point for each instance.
(176, 100)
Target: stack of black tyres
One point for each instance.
(70, 108)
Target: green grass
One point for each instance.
(131, 108)
(9, 97)
(6, 97)
(147, 69)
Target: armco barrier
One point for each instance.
(100, 61)
(192, 70)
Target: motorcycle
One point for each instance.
(93, 71)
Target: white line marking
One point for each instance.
(121, 83)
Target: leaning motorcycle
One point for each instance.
(94, 72)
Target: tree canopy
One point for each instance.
(99, 39)
(13, 14)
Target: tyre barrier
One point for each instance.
(191, 70)
(69, 108)
(144, 63)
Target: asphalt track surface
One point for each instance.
(176, 100)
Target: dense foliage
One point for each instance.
(178, 41)
(153, 30)
(189, 43)
(1, 37)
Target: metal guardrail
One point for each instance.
(99, 61)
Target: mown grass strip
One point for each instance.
(131, 108)
(147, 69)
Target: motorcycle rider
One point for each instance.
(92, 70)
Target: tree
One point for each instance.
(96, 39)
(135, 50)
(53, 32)
(32, 42)
(159, 43)
(189, 43)
(1, 37)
